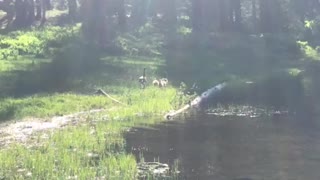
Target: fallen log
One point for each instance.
(199, 101)
(102, 92)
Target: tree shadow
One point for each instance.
(70, 69)
(238, 61)
(63, 20)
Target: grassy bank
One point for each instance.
(41, 106)
(95, 149)
(48, 88)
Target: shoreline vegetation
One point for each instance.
(91, 146)
(37, 94)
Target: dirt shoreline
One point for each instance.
(21, 131)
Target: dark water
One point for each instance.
(233, 148)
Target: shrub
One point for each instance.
(35, 42)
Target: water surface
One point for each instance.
(280, 147)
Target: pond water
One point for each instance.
(278, 147)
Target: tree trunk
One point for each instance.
(197, 16)
(9, 8)
(61, 5)
(48, 4)
(139, 13)
(254, 15)
(271, 19)
(94, 24)
(122, 18)
(170, 13)
(237, 14)
(21, 14)
(224, 15)
(30, 11)
(38, 9)
(45, 4)
(264, 16)
(72, 7)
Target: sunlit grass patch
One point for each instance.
(4, 66)
(309, 51)
(294, 71)
(136, 64)
(55, 13)
(22, 63)
(52, 105)
(184, 30)
(14, 65)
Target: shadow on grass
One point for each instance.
(68, 70)
(7, 112)
(77, 68)
(249, 60)
(226, 57)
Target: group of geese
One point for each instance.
(162, 82)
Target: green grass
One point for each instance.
(61, 104)
(55, 13)
(67, 152)
(52, 105)
(93, 149)
(13, 65)
(117, 77)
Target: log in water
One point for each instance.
(199, 101)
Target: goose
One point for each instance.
(143, 79)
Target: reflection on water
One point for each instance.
(233, 148)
